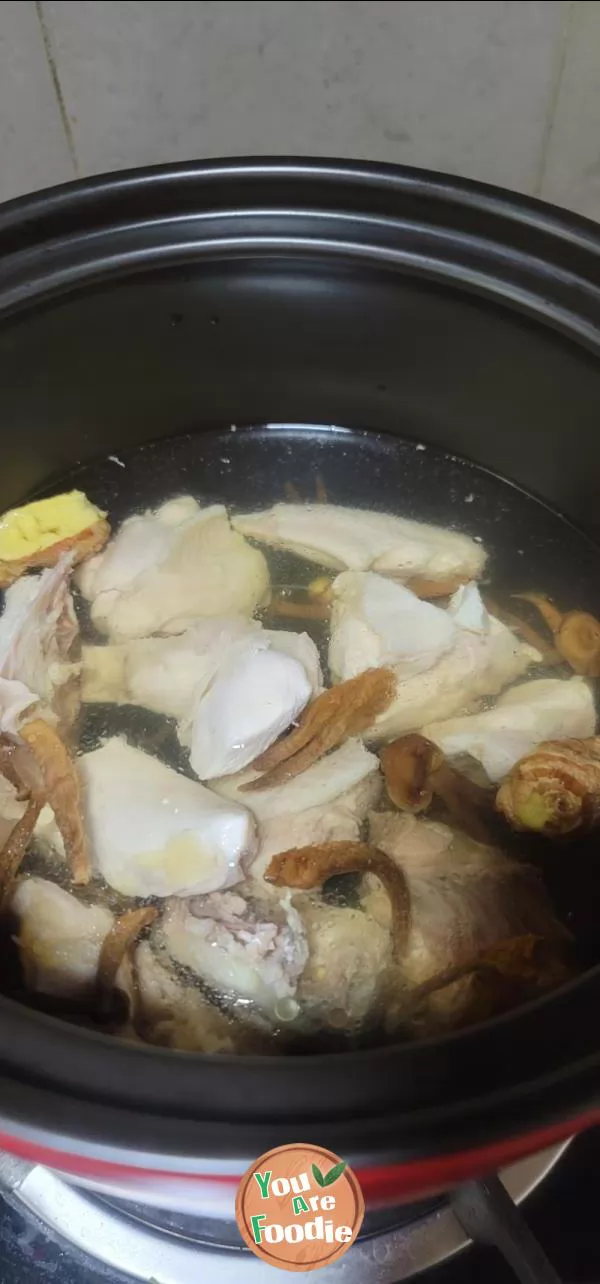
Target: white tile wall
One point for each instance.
(572, 170)
(33, 148)
(508, 92)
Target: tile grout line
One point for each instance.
(554, 100)
(50, 59)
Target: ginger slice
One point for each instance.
(82, 544)
(555, 790)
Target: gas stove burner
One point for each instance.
(147, 1244)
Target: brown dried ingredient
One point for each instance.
(576, 634)
(85, 544)
(308, 867)
(425, 588)
(290, 608)
(342, 711)
(123, 934)
(60, 789)
(415, 770)
(15, 848)
(555, 790)
(408, 766)
(525, 630)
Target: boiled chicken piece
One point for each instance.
(154, 832)
(166, 568)
(164, 674)
(485, 657)
(59, 938)
(336, 821)
(250, 954)
(347, 956)
(38, 639)
(173, 1014)
(233, 686)
(464, 896)
(376, 622)
(323, 783)
(359, 540)
(548, 709)
(256, 695)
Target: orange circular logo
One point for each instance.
(299, 1207)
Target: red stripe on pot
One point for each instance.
(380, 1183)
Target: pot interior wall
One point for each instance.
(101, 369)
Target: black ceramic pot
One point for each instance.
(148, 304)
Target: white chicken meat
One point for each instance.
(172, 1014)
(256, 695)
(154, 832)
(38, 639)
(318, 786)
(164, 569)
(360, 540)
(484, 656)
(59, 938)
(464, 896)
(338, 820)
(377, 622)
(251, 954)
(233, 686)
(348, 952)
(546, 709)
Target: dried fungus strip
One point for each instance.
(60, 789)
(290, 608)
(576, 634)
(550, 656)
(122, 936)
(15, 849)
(339, 713)
(305, 868)
(415, 770)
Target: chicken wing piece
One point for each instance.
(248, 952)
(166, 568)
(154, 832)
(546, 709)
(359, 540)
(59, 938)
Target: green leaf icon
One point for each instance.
(318, 1176)
(334, 1173)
